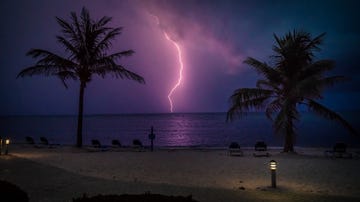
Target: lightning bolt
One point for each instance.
(180, 71)
(180, 63)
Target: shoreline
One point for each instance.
(313, 150)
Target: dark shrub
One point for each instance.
(12, 193)
(134, 198)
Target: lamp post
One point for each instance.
(152, 137)
(1, 142)
(7, 142)
(273, 173)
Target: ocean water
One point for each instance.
(177, 129)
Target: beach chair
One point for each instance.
(261, 149)
(339, 151)
(235, 150)
(96, 143)
(29, 140)
(96, 146)
(137, 145)
(44, 141)
(115, 143)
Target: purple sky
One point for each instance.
(214, 36)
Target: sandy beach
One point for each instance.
(62, 173)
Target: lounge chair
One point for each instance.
(137, 145)
(44, 141)
(115, 143)
(339, 151)
(29, 140)
(261, 149)
(96, 143)
(235, 150)
(96, 146)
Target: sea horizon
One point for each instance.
(177, 129)
(164, 113)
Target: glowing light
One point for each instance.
(180, 63)
(180, 71)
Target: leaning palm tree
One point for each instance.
(86, 44)
(292, 79)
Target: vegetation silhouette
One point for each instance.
(12, 193)
(147, 197)
(292, 79)
(86, 42)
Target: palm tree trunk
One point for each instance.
(289, 143)
(80, 115)
(289, 136)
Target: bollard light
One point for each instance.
(7, 142)
(272, 165)
(273, 173)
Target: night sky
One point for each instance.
(214, 37)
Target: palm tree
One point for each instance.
(292, 79)
(86, 43)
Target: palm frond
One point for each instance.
(64, 75)
(265, 84)
(242, 108)
(272, 108)
(121, 72)
(321, 110)
(118, 55)
(68, 46)
(263, 69)
(245, 99)
(295, 49)
(307, 88)
(315, 42)
(48, 65)
(105, 42)
(79, 36)
(108, 66)
(312, 87)
(85, 16)
(279, 45)
(317, 68)
(278, 41)
(67, 28)
(49, 58)
(102, 22)
(331, 81)
(47, 70)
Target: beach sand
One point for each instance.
(209, 175)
